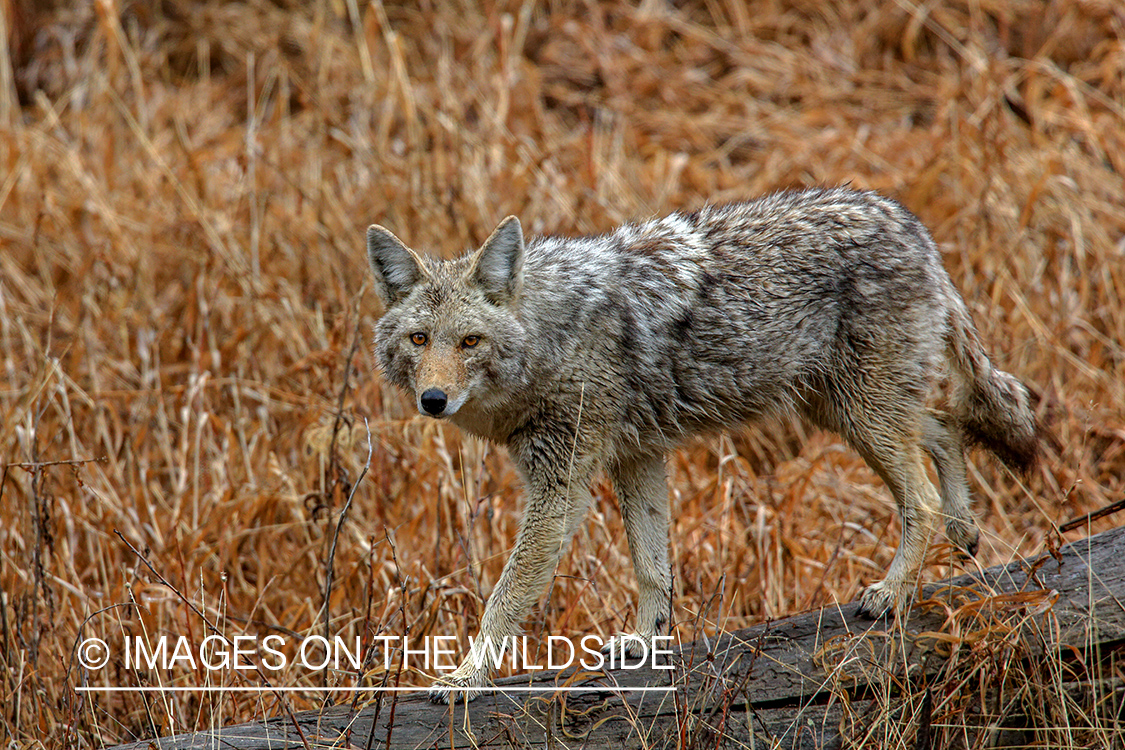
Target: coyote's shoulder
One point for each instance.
(601, 353)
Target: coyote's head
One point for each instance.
(450, 334)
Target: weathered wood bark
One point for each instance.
(815, 680)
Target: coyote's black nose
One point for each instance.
(434, 400)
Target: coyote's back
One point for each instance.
(593, 353)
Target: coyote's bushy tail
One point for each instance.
(993, 409)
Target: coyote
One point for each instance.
(603, 353)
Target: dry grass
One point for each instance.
(183, 190)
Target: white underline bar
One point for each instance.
(257, 689)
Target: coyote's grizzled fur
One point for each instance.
(602, 353)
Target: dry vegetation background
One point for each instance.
(185, 311)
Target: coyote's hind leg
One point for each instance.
(942, 440)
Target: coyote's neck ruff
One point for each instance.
(602, 353)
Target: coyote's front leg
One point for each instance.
(557, 477)
(642, 492)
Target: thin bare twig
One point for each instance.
(1107, 510)
(330, 573)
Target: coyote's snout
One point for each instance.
(441, 383)
(602, 353)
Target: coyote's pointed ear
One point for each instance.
(497, 267)
(396, 268)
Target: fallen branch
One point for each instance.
(965, 664)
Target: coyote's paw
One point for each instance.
(462, 686)
(963, 533)
(882, 599)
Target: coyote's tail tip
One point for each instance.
(995, 410)
(997, 414)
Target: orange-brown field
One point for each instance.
(185, 310)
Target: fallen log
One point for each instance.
(1016, 651)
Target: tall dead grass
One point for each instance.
(184, 305)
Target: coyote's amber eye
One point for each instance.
(470, 341)
(419, 339)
